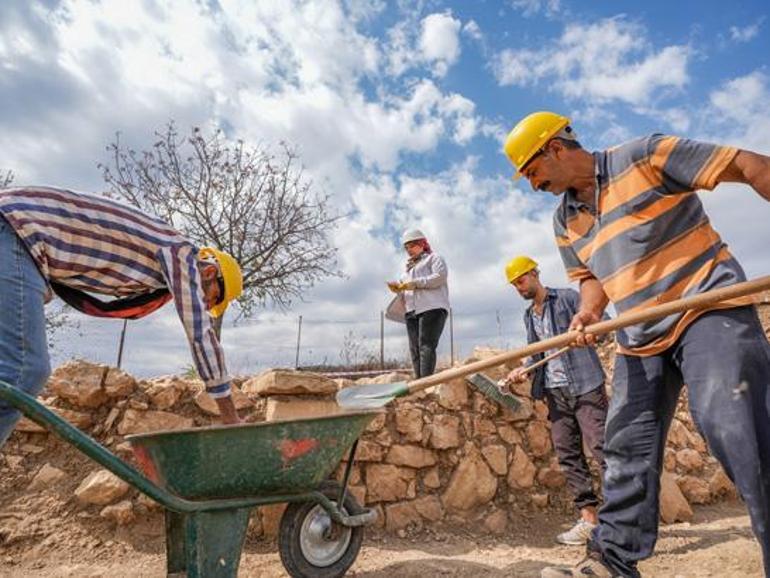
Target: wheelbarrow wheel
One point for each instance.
(312, 545)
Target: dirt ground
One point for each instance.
(717, 543)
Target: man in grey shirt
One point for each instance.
(572, 385)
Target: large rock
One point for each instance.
(445, 432)
(289, 408)
(509, 435)
(453, 394)
(496, 522)
(401, 515)
(378, 423)
(483, 427)
(79, 419)
(409, 422)
(694, 489)
(118, 383)
(80, 382)
(521, 474)
(539, 438)
(674, 507)
(392, 377)
(720, 485)
(689, 460)
(472, 483)
(551, 477)
(429, 507)
(208, 404)
(121, 513)
(412, 456)
(431, 479)
(101, 488)
(497, 458)
(165, 391)
(287, 382)
(45, 477)
(136, 422)
(678, 434)
(387, 483)
(368, 451)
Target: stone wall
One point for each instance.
(445, 457)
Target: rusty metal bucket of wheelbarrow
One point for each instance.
(278, 457)
(210, 479)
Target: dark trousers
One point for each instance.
(424, 332)
(574, 418)
(724, 358)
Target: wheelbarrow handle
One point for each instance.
(700, 301)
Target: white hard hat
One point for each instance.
(411, 235)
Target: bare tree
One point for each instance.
(255, 205)
(6, 178)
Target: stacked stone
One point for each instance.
(448, 456)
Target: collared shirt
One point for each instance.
(97, 245)
(647, 239)
(555, 374)
(582, 366)
(429, 276)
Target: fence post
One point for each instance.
(451, 338)
(382, 340)
(299, 337)
(122, 342)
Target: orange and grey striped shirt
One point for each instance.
(647, 239)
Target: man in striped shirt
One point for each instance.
(77, 245)
(631, 229)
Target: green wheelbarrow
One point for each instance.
(209, 479)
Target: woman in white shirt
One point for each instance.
(422, 301)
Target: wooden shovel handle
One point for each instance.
(547, 358)
(700, 301)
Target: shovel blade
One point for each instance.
(370, 396)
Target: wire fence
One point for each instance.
(371, 342)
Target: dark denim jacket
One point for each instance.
(581, 364)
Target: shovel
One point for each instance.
(378, 395)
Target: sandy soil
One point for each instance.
(717, 543)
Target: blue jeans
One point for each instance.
(724, 358)
(24, 359)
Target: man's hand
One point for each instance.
(227, 410)
(518, 375)
(580, 321)
(394, 286)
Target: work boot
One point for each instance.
(577, 535)
(591, 565)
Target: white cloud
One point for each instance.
(433, 43)
(473, 30)
(610, 60)
(439, 42)
(532, 7)
(745, 33)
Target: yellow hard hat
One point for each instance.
(231, 276)
(517, 266)
(530, 135)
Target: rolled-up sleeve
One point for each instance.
(180, 268)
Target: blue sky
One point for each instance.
(398, 110)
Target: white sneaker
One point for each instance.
(577, 535)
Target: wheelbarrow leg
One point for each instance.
(175, 536)
(206, 544)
